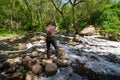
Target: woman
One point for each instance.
(51, 31)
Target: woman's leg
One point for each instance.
(55, 46)
(48, 47)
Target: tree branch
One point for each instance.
(65, 4)
(77, 2)
(56, 6)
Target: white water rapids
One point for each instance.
(99, 55)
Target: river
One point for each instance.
(98, 59)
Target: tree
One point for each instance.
(59, 6)
(74, 3)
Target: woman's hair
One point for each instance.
(48, 23)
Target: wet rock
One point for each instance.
(64, 58)
(62, 63)
(37, 68)
(71, 42)
(81, 69)
(77, 38)
(47, 61)
(34, 54)
(35, 61)
(1, 67)
(89, 30)
(53, 57)
(61, 52)
(42, 50)
(35, 42)
(42, 37)
(15, 76)
(30, 76)
(10, 62)
(27, 63)
(94, 58)
(44, 56)
(51, 69)
(11, 69)
(22, 46)
(33, 39)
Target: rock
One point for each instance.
(27, 63)
(37, 68)
(42, 37)
(51, 69)
(17, 60)
(35, 61)
(10, 62)
(15, 76)
(30, 76)
(71, 42)
(77, 38)
(62, 63)
(61, 52)
(89, 30)
(35, 42)
(11, 69)
(44, 56)
(1, 67)
(33, 39)
(64, 58)
(22, 46)
(42, 50)
(53, 57)
(34, 54)
(47, 61)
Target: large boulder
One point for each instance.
(89, 30)
(37, 68)
(51, 69)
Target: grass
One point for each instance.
(5, 33)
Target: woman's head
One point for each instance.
(49, 23)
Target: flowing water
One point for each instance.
(98, 59)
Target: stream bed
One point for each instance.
(94, 59)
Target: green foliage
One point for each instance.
(33, 15)
(6, 32)
(111, 20)
(82, 23)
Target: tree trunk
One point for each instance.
(30, 13)
(74, 23)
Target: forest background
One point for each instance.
(23, 16)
